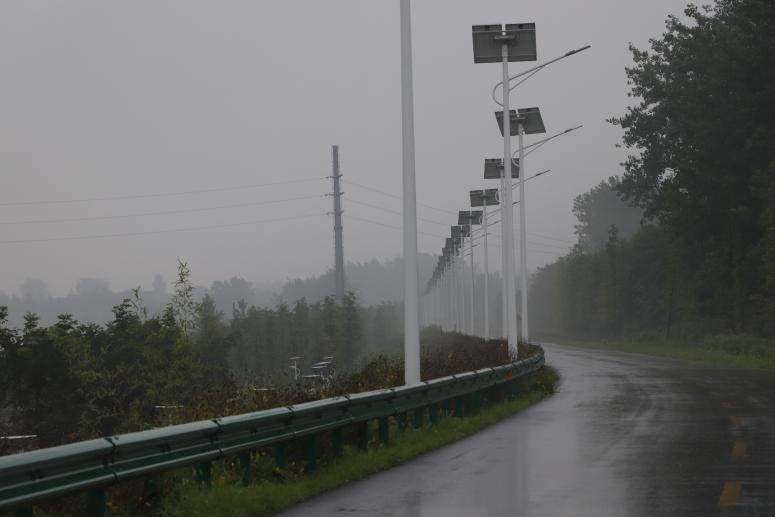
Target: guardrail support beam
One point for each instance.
(418, 417)
(310, 451)
(243, 464)
(433, 412)
(280, 460)
(204, 476)
(401, 418)
(337, 442)
(95, 502)
(459, 407)
(363, 436)
(384, 431)
(154, 490)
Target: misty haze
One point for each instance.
(438, 258)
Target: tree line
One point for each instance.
(702, 172)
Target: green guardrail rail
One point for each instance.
(93, 465)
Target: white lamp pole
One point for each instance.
(471, 286)
(486, 277)
(508, 214)
(522, 235)
(411, 276)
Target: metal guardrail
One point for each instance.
(91, 466)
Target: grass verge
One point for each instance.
(268, 497)
(721, 350)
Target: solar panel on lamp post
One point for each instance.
(493, 44)
(485, 198)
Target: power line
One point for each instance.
(157, 232)
(390, 211)
(494, 212)
(397, 197)
(163, 212)
(362, 219)
(551, 238)
(535, 243)
(157, 194)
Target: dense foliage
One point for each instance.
(72, 381)
(702, 166)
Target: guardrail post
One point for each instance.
(154, 489)
(384, 431)
(280, 460)
(458, 406)
(363, 436)
(418, 417)
(243, 464)
(310, 446)
(447, 407)
(338, 442)
(204, 475)
(95, 502)
(401, 418)
(433, 411)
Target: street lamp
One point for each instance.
(531, 122)
(469, 219)
(525, 121)
(493, 44)
(459, 233)
(485, 198)
(493, 169)
(537, 145)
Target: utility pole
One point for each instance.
(338, 243)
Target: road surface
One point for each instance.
(626, 435)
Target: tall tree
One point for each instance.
(702, 138)
(599, 209)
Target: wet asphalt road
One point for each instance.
(626, 435)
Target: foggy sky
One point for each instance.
(103, 99)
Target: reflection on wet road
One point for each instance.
(626, 435)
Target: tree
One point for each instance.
(702, 138)
(92, 287)
(159, 285)
(182, 303)
(34, 290)
(600, 208)
(232, 291)
(351, 328)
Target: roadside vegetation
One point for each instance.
(726, 350)
(74, 381)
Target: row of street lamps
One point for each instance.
(445, 302)
(442, 303)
